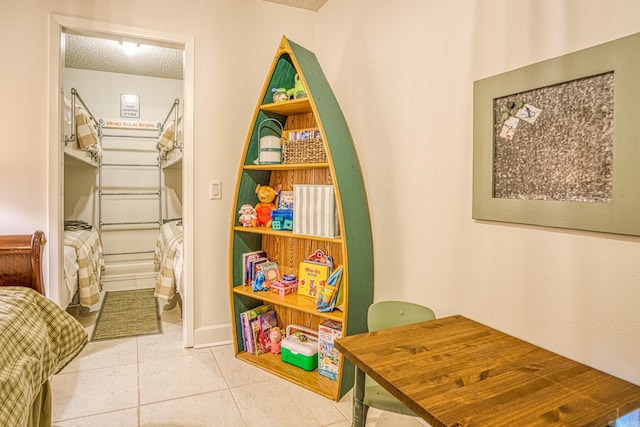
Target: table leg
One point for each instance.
(359, 413)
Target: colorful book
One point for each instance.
(285, 200)
(267, 321)
(246, 258)
(246, 317)
(254, 267)
(312, 277)
(271, 272)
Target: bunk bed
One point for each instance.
(83, 256)
(31, 348)
(168, 255)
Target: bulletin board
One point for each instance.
(557, 143)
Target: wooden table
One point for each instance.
(457, 372)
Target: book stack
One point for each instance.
(253, 262)
(250, 262)
(256, 325)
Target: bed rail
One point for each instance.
(75, 95)
(175, 110)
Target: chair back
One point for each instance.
(388, 314)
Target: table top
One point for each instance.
(457, 372)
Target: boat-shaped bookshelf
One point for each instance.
(353, 248)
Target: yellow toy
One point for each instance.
(266, 196)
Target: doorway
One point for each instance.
(135, 264)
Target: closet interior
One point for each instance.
(123, 145)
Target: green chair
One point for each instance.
(382, 315)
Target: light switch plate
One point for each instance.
(215, 190)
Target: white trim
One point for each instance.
(213, 335)
(56, 168)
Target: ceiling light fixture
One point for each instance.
(129, 48)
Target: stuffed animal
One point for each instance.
(266, 196)
(258, 284)
(275, 336)
(248, 217)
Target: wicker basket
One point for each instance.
(304, 151)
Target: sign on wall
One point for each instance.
(129, 105)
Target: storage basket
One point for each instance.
(304, 151)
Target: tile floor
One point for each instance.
(154, 381)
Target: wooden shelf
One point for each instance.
(295, 301)
(353, 249)
(272, 232)
(285, 167)
(288, 108)
(310, 380)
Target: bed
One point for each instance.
(168, 257)
(83, 264)
(38, 337)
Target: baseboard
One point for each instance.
(214, 335)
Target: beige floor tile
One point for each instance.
(102, 354)
(83, 393)
(236, 372)
(204, 410)
(125, 418)
(166, 345)
(279, 403)
(179, 377)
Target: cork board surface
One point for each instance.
(556, 142)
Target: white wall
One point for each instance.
(403, 72)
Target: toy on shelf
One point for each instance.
(266, 196)
(298, 89)
(248, 217)
(276, 334)
(280, 94)
(282, 219)
(259, 283)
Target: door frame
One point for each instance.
(57, 25)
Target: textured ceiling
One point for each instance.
(106, 54)
(313, 5)
(99, 54)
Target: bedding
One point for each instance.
(85, 261)
(86, 135)
(38, 339)
(166, 141)
(169, 257)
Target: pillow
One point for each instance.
(85, 132)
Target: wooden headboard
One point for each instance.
(21, 260)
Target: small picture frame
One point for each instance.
(130, 105)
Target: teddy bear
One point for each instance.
(266, 196)
(248, 217)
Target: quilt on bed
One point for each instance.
(91, 262)
(38, 339)
(168, 254)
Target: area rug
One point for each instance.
(128, 314)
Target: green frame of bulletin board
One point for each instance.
(622, 214)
